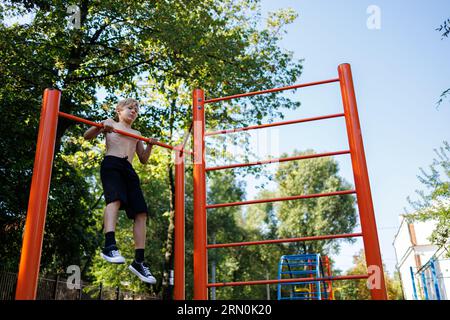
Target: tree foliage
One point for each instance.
(433, 203)
(313, 216)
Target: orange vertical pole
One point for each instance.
(362, 185)
(179, 262)
(200, 236)
(329, 283)
(37, 206)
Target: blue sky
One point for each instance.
(399, 71)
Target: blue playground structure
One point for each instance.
(308, 266)
(429, 281)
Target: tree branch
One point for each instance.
(112, 72)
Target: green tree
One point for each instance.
(314, 216)
(434, 201)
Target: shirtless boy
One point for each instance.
(121, 185)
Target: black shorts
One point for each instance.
(120, 182)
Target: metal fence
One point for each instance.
(57, 289)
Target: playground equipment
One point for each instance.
(310, 267)
(428, 279)
(37, 207)
(362, 190)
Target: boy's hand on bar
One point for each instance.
(108, 125)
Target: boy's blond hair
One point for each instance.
(123, 104)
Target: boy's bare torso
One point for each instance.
(119, 145)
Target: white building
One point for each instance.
(423, 268)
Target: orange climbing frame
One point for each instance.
(30, 257)
(361, 178)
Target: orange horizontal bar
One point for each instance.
(271, 90)
(275, 124)
(317, 195)
(99, 125)
(275, 281)
(312, 238)
(309, 156)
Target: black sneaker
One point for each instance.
(142, 270)
(112, 254)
